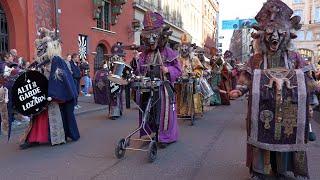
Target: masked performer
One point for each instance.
(115, 104)
(215, 80)
(57, 123)
(278, 114)
(188, 101)
(159, 61)
(226, 84)
(101, 85)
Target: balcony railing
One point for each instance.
(168, 16)
(149, 5)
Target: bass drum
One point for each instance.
(30, 93)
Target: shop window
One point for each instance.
(299, 12)
(297, 1)
(317, 15)
(309, 36)
(104, 21)
(300, 35)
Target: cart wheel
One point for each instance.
(152, 151)
(120, 149)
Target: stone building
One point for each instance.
(87, 27)
(308, 41)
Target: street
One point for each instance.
(212, 149)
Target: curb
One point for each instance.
(90, 110)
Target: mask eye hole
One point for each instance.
(269, 31)
(282, 33)
(154, 36)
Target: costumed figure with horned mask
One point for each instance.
(161, 62)
(280, 95)
(56, 123)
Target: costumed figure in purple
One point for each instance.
(280, 95)
(161, 62)
(57, 122)
(115, 93)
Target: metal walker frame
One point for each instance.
(124, 143)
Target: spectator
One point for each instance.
(76, 74)
(85, 70)
(67, 61)
(14, 54)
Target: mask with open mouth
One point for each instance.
(275, 27)
(274, 38)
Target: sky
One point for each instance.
(231, 9)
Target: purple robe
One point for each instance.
(101, 87)
(166, 115)
(103, 95)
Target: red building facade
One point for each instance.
(88, 26)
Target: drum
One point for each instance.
(145, 83)
(121, 73)
(185, 79)
(29, 93)
(205, 88)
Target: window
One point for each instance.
(300, 35)
(309, 36)
(317, 14)
(297, 1)
(105, 16)
(299, 12)
(317, 36)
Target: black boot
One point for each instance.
(25, 145)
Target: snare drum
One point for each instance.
(205, 88)
(145, 83)
(121, 73)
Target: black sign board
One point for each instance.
(30, 92)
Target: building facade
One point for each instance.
(210, 21)
(89, 27)
(171, 13)
(183, 16)
(247, 44)
(236, 44)
(192, 20)
(308, 41)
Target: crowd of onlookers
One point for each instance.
(80, 71)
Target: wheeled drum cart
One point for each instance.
(144, 84)
(184, 85)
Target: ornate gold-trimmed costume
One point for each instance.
(189, 100)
